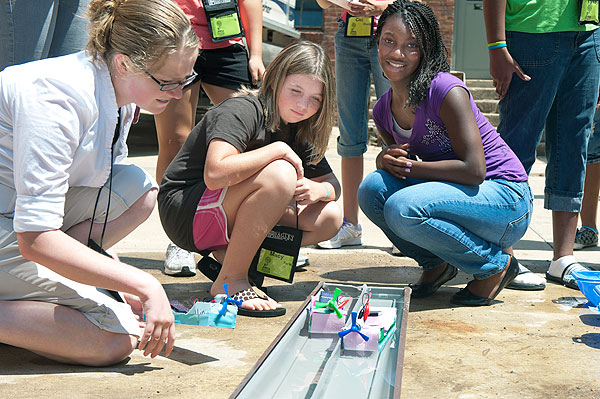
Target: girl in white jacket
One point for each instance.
(63, 128)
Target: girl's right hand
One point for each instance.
(289, 155)
(160, 322)
(257, 69)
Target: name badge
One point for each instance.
(359, 26)
(588, 12)
(224, 20)
(278, 254)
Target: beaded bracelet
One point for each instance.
(326, 189)
(498, 44)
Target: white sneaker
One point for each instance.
(302, 261)
(527, 280)
(179, 262)
(349, 234)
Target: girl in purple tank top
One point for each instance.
(448, 192)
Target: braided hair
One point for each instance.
(421, 21)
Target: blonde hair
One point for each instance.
(146, 31)
(306, 58)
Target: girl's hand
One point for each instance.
(308, 191)
(502, 67)
(289, 155)
(364, 8)
(136, 306)
(394, 159)
(160, 323)
(257, 69)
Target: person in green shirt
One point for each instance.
(555, 90)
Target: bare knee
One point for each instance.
(113, 349)
(329, 221)
(279, 177)
(143, 207)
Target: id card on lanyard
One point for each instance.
(359, 26)
(588, 12)
(223, 18)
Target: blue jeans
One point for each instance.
(355, 62)
(45, 28)
(435, 222)
(561, 95)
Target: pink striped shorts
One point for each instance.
(210, 221)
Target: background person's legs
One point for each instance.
(353, 82)
(352, 175)
(50, 28)
(173, 126)
(71, 28)
(567, 132)
(587, 235)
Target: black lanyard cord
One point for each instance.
(115, 138)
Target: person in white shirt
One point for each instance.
(63, 129)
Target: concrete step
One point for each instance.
(487, 106)
(484, 83)
(487, 93)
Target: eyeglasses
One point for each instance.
(168, 86)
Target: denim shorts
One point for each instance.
(593, 149)
(355, 62)
(560, 97)
(47, 29)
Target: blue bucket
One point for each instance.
(588, 282)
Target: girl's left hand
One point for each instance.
(307, 192)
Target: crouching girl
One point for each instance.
(448, 191)
(254, 161)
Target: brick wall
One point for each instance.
(444, 12)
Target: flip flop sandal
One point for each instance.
(516, 285)
(569, 282)
(211, 268)
(250, 293)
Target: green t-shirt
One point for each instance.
(544, 16)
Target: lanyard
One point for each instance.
(91, 243)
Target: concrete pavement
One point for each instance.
(527, 345)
